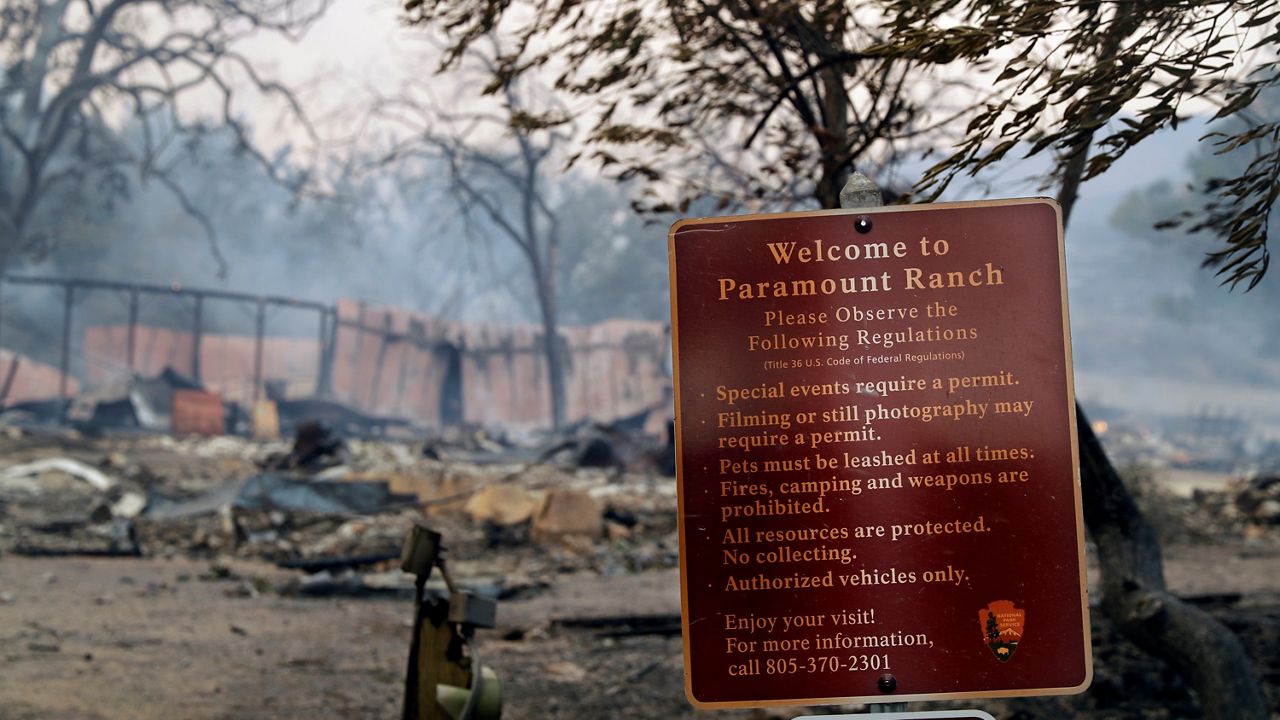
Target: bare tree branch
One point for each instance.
(64, 67)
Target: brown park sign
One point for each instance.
(878, 476)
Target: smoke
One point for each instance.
(380, 237)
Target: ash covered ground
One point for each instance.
(153, 577)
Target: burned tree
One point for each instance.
(497, 163)
(1084, 84)
(72, 70)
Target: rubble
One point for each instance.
(315, 447)
(197, 412)
(114, 537)
(339, 527)
(567, 513)
(345, 504)
(327, 584)
(1243, 509)
(596, 452)
(293, 413)
(1248, 508)
(502, 504)
(582, 559)
(36, 413)
(265, 421)
(129, 506)
(288, 494)
(133, 402)
(15, 475)
(313, 566)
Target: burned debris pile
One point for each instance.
(334, 508)
(1247, 508)
(1233, 509)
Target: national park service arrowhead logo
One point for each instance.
(1002, 625)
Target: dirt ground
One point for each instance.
(84, 638)
(201, 627)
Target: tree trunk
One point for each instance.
(827, 192)
(8, 241)
(50, 23)
(833, 140)
(551, 349)
(1134, 595)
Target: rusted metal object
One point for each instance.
(444, 679)
(196, 412)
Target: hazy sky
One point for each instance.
(359, 47)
